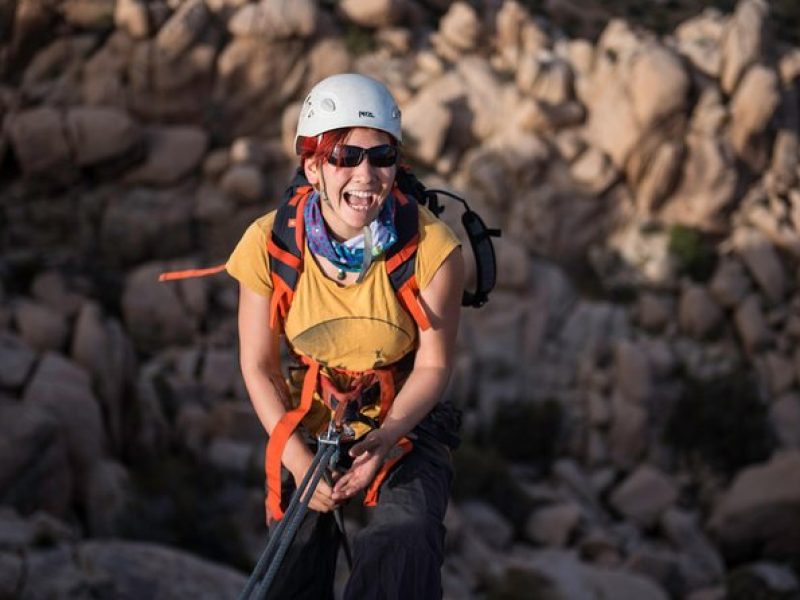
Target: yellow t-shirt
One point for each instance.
(357, 327)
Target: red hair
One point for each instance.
(319, 148)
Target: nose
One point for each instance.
(364, 169)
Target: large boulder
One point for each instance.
(101, 346)
(121, 569)
(762, 261)
(144, 223)
(708, 179)
(374, 13)
(53, 76)
(99, 134)
(89, 14)
(757, 515)
(752, 108)
(633, 373)
(42, 327)
(743, 41)
(701, 562)
(173, 153)
(659, 85)
(64, 390)
(700, 40)
(751, 324)
(158, 314)
(104, 81)
(275, 19)
(35, 471)
(131, 16)
(460, 27)
(644, 495)
(39, 142)
(698, 313)
(183, 28)
(255, 79)
(559, 575)
(16, 361)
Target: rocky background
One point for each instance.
(631, 393)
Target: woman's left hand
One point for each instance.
(369, 455)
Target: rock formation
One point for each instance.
(631, 393)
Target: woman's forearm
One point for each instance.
(270, 398)
(420, 393)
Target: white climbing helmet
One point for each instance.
(348, 100)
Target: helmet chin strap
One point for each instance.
(323, 191)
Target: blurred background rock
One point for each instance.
(631, 393)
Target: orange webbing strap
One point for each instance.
(403, 447)
(285, 257)
(280, 435)
(403, 255)
(400, 196)
(409, 296)
(330, 393)
(279, 303)
(189, 273)
(386, 379)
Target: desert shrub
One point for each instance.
(721, 423)
(695, 254)
(482, 474)
(179, 502)
(744, 584)
(528, 432)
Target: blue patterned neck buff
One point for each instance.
(348, 255)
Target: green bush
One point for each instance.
(743, 584)
(480, 473)
(519, 583)
(721, 423)
(179, 502)
(695, 254)
(528, 432)
(358, 40)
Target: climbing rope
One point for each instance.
(282, 536)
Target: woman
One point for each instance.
(349, 325)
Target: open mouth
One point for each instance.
(360, 201)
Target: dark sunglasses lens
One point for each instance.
(382, 156)
(346, 156)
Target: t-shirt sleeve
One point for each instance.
(248, 263)
(436, 243)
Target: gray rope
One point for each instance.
(294, 525)
(278, 532)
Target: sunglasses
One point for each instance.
(343, 155)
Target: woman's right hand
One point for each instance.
(322, 500)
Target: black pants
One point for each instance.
(399, 553)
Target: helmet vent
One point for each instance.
(328, 105)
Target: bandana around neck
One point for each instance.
(348, 255)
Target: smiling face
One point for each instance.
(354, 194)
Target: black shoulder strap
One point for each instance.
(406, 222)
(283, 235)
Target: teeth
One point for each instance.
(359, 195)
